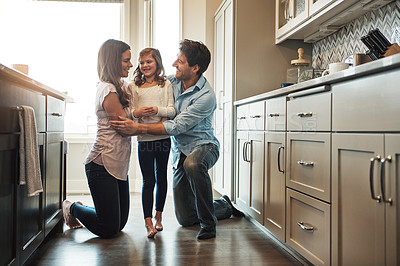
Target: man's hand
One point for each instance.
(125, 126)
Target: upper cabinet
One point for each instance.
(313, 20)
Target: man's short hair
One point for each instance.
(196, 54)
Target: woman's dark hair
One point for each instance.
(109, 66)
(196, 54)
(138, 76)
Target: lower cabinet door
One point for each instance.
(274, 193)
(308, 227)
(30, 231)
(53, 181)
(243, 171)
(358, 220)
(8, 179)
(256, 140)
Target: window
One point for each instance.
(166, 31)
(60, 41)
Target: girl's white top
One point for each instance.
(110, 148)
(162, 97)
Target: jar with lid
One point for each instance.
(300, 70)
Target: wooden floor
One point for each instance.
(238, 242)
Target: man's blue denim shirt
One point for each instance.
(192, 124)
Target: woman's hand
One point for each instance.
(145, 111)
(125, 126)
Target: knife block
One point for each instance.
(393, 49)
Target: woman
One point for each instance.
(108, 161)
(153, 101)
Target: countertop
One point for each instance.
(380, 65)
(18, 77)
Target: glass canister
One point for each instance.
(300, 70)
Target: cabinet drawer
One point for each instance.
(309, 113)
(55, 114)
(251, 116)
(367, 104)
(275, 114)
(308, 227)
(13, 95)
(308, 159)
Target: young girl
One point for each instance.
(108, 161)
(153, 101)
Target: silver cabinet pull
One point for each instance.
(387, 159)
(248, 152)
(305, 227)
(279, 158)
(274, 114)
(255, 116)
(242, 117)
(56, 114)
(371, 177)
(303, 163)
(309, 114)
(245, 151)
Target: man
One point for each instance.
(195, 148)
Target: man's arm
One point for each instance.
(131, 128)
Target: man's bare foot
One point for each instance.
(151, 231)
(158, 219)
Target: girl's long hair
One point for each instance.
(109, 66)
(138, 76)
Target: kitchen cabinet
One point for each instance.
(308, 175)
(27, 220)
(8, 164)
(250, 173)
(223, 80)
(290, 14)
(365, 163)
(274, 193)
(54, 162)
(30, 227)
(274, 166)
(313, 20)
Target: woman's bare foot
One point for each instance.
(151, 231)
(70, 220)
(158, 219)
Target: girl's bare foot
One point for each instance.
(70, 220)
(151, 231)
(158, 219)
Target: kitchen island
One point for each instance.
(317, 165)
(25, 220)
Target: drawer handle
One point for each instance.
(389, 201)
(303, 163)
(305, 227)
(242, 117)
(371, 178)
(309, 114)
(56, 114)
(255, 116)
(274, 114)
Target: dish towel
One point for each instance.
(29, 166)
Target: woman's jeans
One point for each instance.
(153, 160)
(111, 203)
(192, 189)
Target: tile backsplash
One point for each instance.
(345, 42)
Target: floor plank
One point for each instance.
(238, 242)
